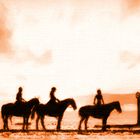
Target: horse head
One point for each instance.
(72, 103)
(118, 106)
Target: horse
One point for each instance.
(53, 111)
(98, 111)
(22, 109)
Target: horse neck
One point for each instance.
(66, 103)
(112, 106)
(31, 103)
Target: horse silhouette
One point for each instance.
(100, 112)
(18, 109)
(53, 111)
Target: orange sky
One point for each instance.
(75, 45)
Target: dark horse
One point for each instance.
(53, 111)
(19, 110)
(100, 112)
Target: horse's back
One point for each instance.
(5, 108)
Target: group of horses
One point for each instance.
(33, 106)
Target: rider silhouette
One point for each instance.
(53, 99)
(99, 98)
(19, 98)
(52, 104)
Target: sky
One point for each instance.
(77, 46)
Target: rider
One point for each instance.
(99, 98)
(53, 99)
(19, 98)
(52, 104)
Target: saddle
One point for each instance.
(52, 106)
(98, 108)
(19, 105)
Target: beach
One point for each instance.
(69, 128)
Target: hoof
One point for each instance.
(44, 128)
(103, 129)
(58, 128)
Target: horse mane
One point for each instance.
(68, 99)
(35, 98)
(114, 102)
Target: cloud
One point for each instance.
(130, 6)
(45, 58)
(5, 33)
(133, 4)
(130, 58)
(23, 56)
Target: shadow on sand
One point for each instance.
(130, 128)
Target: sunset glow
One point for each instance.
(77, 46)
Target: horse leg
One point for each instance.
(6, 123)
(42, 122)
(104, 121)
(37, 119)
(10, 117)
(86, 120)
(27, 123)
(4, 126)
(24, 122)
(59, 122)
(82, 119)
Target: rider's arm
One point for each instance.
(57, 100)
(23, 100)
(102, 100)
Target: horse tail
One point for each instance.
(33, 112)
(3, 112)
(10, 119)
